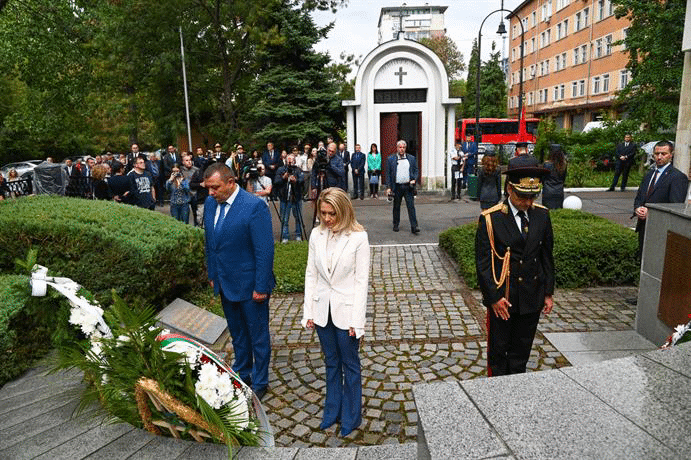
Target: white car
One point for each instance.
(22, 167)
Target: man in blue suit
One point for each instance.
(662, 184)
(239, 256)
(357, 163)
(401, 174)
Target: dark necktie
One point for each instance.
(651, 186)
(221, 215)
(524, 224)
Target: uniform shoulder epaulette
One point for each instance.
(497, 207)
(540, 206)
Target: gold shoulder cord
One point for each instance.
(506, 259)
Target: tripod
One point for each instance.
(320, 187)
(295, 199)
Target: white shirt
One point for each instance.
(301, 162)
(455, 153)
(516, 217)
(229, 203)
(660, 170)
(402, 170)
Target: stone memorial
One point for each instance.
(197, 323)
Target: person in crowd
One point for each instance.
(4, 190)
(170, 159)
(188, 170)
(301, 161)
(331, 175)
(89, 167)
(489, 182)
(517, 290)
(358, 162)
(401, 170)
(260, 187)
(13, 185)
(456, 158)
(553, 190)
(662, 184)
(271, 159)
(199, 159)
(336, 283)
(70, 168)
(119, 184)
(99, 186)
(238, 233)
(131, 157)
(626, 156)
(345, 156)
(154, 166)
(521, 149)
(179, 190)
(142, 185)
(288, 183)
(469, 148)
(218, 155)
(374, 170)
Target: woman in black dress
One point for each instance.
(553, 188)
(489, 182)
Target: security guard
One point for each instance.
(515, 267)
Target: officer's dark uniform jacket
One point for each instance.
(531, 262)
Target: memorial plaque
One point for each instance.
(675, 288)
(193, 321)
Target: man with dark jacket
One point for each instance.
(345, 156)
(662, 184)
(401, 176)
(357, 163)
(333, 172)
(626, 155)
(517, 290)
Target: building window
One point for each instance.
(610, 8)
(581, 88)
(623, 78)
(529, 99)
(596, 85)
(605, 83)
(545, 94)
(586, 12)
(534, 18)
(574, 89)
(624, 34)
(563, 60)
(558, 31)
(532, 71)
(608, 44)
(576, 56)
(600, 9)
(557, 63)
(532, 44)
(513, 54)
(584, 53)
(577, 22)
(549, 35)
(546, 66)
(598, 48)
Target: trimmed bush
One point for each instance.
(588, 251)
(147, 257)
(26, 325)
(290, 262)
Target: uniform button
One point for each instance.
(520, 279)
(520, 262)
(535, 276)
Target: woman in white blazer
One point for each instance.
(336, 283)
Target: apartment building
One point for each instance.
(416, 22)
(571, 68)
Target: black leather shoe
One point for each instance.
(610, 189)
(415, 230)
(260, 393)
(395, 228)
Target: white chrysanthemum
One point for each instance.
(122, 339)
(96, 351)
(240, 411)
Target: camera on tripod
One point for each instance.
(322, 160)
(250, 169)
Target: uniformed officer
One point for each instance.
(515, 267)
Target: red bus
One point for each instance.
(496, 131)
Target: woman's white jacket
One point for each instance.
(344, 288)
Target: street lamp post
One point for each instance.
(500, 31)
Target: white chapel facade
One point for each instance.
(402, 92)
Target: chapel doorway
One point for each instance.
(396, 126)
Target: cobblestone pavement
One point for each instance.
(424, 325)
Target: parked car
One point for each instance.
(22, 167)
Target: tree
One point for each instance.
(493, 87)
(445, 48)
(471, 83)
(653, 42)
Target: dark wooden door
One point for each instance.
(388, 139)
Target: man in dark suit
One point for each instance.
(516, 290)
(345, 156)
(271, 158)
(170, 159)
(469, 149)
(626, 155)
(239, 256)
(357, 162)
(662, 184)
(401, 174)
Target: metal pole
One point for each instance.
(478, 137)
(520, 85)
(187, 102)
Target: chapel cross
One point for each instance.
(400, 74)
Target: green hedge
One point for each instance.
(147, 257)
(588, 251)
(26, 325)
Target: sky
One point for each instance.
(355, 28)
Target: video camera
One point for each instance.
(250, 166)
(322, 160)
